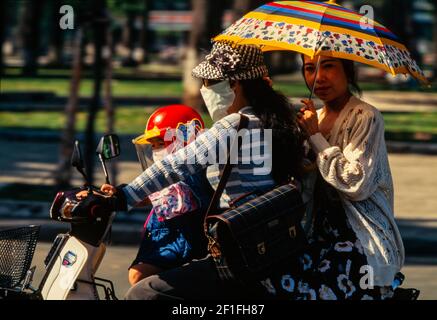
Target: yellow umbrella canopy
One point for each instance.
(323, 28)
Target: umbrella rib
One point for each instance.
(319, 45)
(315, 79)
(386, 57)
(385, 54)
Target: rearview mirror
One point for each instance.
(76, 157)
(77, 161)
(109, 147)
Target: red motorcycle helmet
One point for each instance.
(172, 117)
(165, 126)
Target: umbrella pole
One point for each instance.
(314, 84)
(317, 54)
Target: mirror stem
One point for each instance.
(104, 169)
(86, 184)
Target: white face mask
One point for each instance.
(218, 98)
(159, 154)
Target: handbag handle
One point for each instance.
(234, 201)
(244, 121)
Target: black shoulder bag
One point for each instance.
(250, 241)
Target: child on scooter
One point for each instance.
(173, 231)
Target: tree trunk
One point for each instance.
(63, 175)
(30, 34)
(99, 25)
(109, 106)
(57, 39)
(434, 76)
(207, 22)
(129, 38)
(144, 36)
(3, 24)
(241, 7)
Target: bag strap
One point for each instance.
(244, 121)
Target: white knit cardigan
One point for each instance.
(354, 160)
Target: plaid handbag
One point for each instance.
(249, 241)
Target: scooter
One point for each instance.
(74, 257)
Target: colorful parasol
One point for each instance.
(323, 28)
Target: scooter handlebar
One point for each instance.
(69, 208)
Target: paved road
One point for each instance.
(413, 174)
(35, 163)
(414, 178)
(420, 272)
(415, 203)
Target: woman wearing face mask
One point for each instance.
(234, 83)
(172, 232)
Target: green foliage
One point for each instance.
(123, 6)
(128, 120)
(418, 122)
(132, 120)
(61, 87)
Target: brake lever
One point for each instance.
(98, 191)
(95, 190)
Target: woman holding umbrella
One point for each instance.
(357, 249)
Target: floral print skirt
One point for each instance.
(326, 271)
(333, 266)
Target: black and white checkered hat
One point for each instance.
(230, 61)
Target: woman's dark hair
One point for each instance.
(275, 112)
(349, 70)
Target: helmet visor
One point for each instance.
(144, 153)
